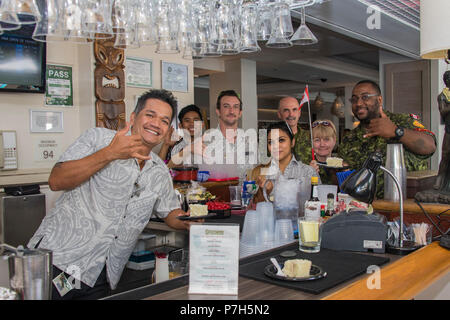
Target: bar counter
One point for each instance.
(401, 278)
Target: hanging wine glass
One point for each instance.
(49, 28)
(281, 27)
(303, 36)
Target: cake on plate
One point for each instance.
(198, 210)
(297, 268)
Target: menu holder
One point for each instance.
(214, 259)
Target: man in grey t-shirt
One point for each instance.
(113, 185)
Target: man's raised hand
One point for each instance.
(125, 147)
(382, 126)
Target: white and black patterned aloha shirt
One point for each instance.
(99, 221)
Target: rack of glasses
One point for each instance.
(197, 28)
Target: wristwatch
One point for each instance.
(399, 132)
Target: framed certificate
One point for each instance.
(174, 76)
(139, 72)
(46, 121)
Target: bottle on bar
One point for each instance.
(312, 206)
(330, 205)
(322, 210)
(314, 189)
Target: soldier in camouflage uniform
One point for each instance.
(378, 127)
(302, 148)
(289, 111)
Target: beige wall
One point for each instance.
(14, 107)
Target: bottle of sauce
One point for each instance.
(312, 206)
(314, 189)
(322, 211)
(330, 205)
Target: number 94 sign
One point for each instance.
(46, 150)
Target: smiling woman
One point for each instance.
(324, 141)
(280, 141)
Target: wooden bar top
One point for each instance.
(404, 279)
(410, 206)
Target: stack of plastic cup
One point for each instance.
(267, 215)
(284, 232)
(251, 231)
(251, 234)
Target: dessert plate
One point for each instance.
(331, 167)
(214, 214)
(314, 274)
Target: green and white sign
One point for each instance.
(59, 86)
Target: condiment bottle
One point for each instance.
(314, 189)
(312, 207)
(322, 210)
(161, 272)
(330, 205)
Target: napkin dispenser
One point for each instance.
(355, 231)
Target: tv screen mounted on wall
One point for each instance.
(22, 61)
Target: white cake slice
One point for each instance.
(198, 210)
(297, 268)
(334, 162)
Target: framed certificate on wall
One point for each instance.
(46, 121)
(174, 76)
(139, 72)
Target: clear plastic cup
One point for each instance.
(283, 231)
(251, 231)
(235, 196)
(266, 213)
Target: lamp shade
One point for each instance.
(362, 184)
(434, 29)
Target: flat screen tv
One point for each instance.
(22, 61)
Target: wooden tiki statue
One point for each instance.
(109, 85)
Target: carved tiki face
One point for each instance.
(109, 74)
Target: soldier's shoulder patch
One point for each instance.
(418, 124)
(414, 116)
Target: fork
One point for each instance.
(275, 263)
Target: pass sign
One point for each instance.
(59, 86)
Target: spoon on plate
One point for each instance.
(275, 263)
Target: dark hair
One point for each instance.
(283, 126)
(189, 108)
(228, 93)
(372, 83)
(163, 95)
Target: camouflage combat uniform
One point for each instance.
(302, 147)
(355, 149)
(302, 152)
